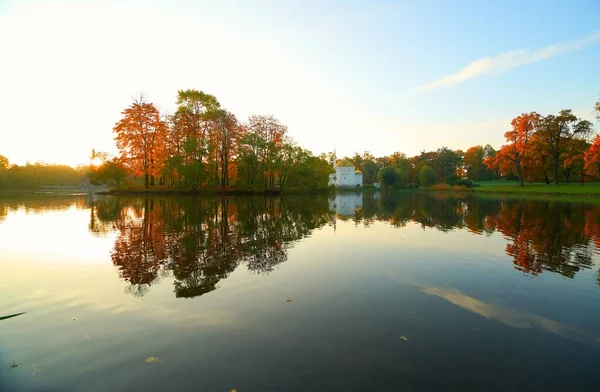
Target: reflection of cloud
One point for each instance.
(511, 317)
(507, 61)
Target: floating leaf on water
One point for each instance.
(153, 360)
(289, 300)
(11, 316)
(403, 337)
(34, 370)
(14, 365)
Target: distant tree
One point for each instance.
(473, 161)
(249, 164)
(446, 162)
(572, 158)
(370, 169)
(427, 176)
(592, 159)
(512, 157)
(555, 131)
(4, 163)
(271, 132)
(402, 177)
(110, 172)
(597, 110)
(388, 177)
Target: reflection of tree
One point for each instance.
(140, 249)
(39, 203)
(541, 235)
(202, 240)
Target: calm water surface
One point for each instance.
(361, 292)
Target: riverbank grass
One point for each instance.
(588, 189)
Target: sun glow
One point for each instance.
(97, 161)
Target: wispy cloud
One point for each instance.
(507, 61)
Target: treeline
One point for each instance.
(32, 176)
(428, 168)
(553, 148)
(203, 145)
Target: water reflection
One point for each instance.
(541, 235)
(200, 241)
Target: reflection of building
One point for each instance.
(345, 174)
(346, 203)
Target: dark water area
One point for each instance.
(353, 292)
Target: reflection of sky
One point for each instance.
(81, 324)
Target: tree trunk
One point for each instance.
(555, 168)
(146, 179)
(520, 173)
(568, 175)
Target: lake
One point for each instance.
(353, 292)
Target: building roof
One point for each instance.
(344, 163)
(357, 171)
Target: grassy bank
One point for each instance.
(591, 189)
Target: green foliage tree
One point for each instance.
(446, 162)
(388, 177)
(402, 177)
(555, 131)
(427, 176)
(112, 173)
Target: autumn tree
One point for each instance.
(473, 161)
(512, 157)
(572, 158)
(555, 132)
(592, 159)
(140, 137)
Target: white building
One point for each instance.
(346, 175)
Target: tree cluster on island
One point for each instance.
(202, 145)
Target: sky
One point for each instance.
(354, 76)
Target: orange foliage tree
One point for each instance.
(141, 137)
(513, 157)
(592, 159)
